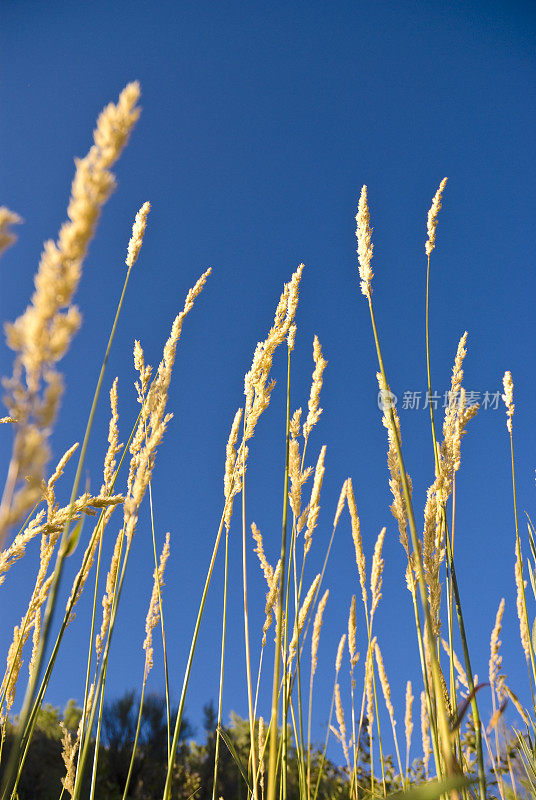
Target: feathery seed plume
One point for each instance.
(152, 424)
(231, 480)
(261, 741)
(107, 600)
(495, 660)
(302, 616)
(385, 684)
(398, 507)
(408, 723)
(294, 425)
(508, 398)
(256, 389)
(138, 232)
(356, 536)
(340, 505)
(314, 505)
(271, 600)
(291, 338)
(316, 386)
(144, 372)
(432, 217)
(340, 651)
(352, 629)
(316, 631)
(153, 614)
(523, 628)
(259, 549)
(69, 751)
(7, 218)
(369, 684)
(342, 727)
(42, 334)
(376, 572)
(113, 442)
(364, 244)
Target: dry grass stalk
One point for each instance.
(87, 562)
(256, 389)
(356, 537)
(369, 689)
(398, 507)
(314, 410)
(519, 708)
(341, 733)
(523, 628)
(495, 660)
(408, 721)
(462, 677)
(457, 415)
(69, 751)
(42, 334)
(314, 503)
(231, 481)
(432, 217)
(352, 630)
(291, 338)
(508, 398)
(298, 477)
(261, 742)
(138, 232)
(50, 531)
(263, 561)
(18, 547)
(153, 614)
(302, 616)
(340, 504)
(144, 372)
(425, 733)
(271, 601)
(316, 631)
(340, 651)
(376, 573)
(113, 442)
(154, 421)
(364, 244)
(7, 218)
(385, 684)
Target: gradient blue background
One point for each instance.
(261, 122)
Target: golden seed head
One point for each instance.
(7, 218)
(352, 628)
(508, 398)
(376, 572)
(432, 217)
(523, 628)
(316, 631)
(138, 232)
(314, 503)
(340, 651)
(408, 718)
(385, 683)
(356, 536)
(495, 660)
(364, 244)
(314, 410)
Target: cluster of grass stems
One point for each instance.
(483, 764)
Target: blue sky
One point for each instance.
(261, 122)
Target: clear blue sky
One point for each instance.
(261, 121)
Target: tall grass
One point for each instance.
(470, 758)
